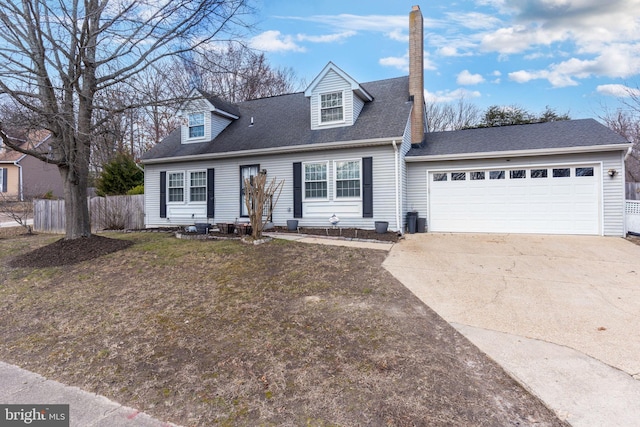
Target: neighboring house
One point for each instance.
(360, 151)
(23, 177)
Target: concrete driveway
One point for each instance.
(560, 313)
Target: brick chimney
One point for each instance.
(416, 73)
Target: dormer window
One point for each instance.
(196, 125)
(331, 107)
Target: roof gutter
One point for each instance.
(276, 150)
(519, 153)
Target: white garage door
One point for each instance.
(548, 200)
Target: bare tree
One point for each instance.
(627, 124)
(233, 72)
(451, 116)
(20, 211)
(57, 56)
(261, 197)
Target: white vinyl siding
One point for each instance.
(612, 189)
(218, 124)
(316, 214)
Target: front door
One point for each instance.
(246, 172)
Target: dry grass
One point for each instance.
(205, 333)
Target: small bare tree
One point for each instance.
(19, 211)
(261, 198)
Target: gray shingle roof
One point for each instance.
(284, 121)
(538, 136)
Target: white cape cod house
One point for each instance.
(360, 151)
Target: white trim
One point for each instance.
(304, 181)
(333, 122)
(519, 153)
(184, 196)
(335, 179)
(188, 186)
(276, 150)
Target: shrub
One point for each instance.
(138, 189)
(119, 176)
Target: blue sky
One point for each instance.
(572, 55)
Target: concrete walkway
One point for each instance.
(307, 238)
(18, 386)
(560, 313)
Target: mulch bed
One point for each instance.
(66, 252)
(348, 233)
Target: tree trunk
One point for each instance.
(78, 220)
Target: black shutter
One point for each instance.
(367, 187)
(297, 190)
(163, 194)
(210, 204)
(4, 180)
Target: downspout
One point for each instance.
(397, 187)
(20, 187)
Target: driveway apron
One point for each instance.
(560, 313)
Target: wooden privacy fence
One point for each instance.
(633, 190)
(107, 213)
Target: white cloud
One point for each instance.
(398, 35)
(327, 38)
(465, 78)
(399, 62)
(392, 26)
(618, 90)
(448, 51)
(450, 95)
(275, 41)
(402, 62)
(619, 61)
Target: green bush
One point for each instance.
(138, 189)
(119, 176)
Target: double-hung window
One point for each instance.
(315, 180)
(331, 107)
(176, 187)
(196, 125)
(348, 179)
(198, 186)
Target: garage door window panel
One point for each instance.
(584, 171)
(539, 173)
(518, 174)
(496, 175)
(439, 177)
(458, 176)
(562, 173)
(477, 176)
